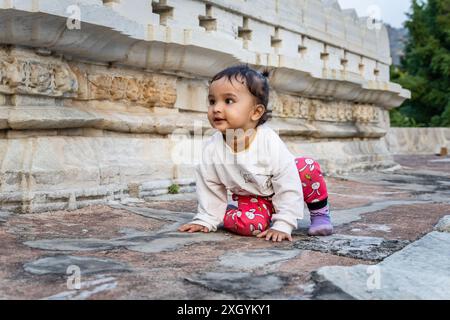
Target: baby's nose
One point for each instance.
(217, 108)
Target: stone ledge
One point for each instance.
(133, 51)
(89, 169)
(32, 117)
(36, 118)
(417, 140)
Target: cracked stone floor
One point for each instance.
(391, 241)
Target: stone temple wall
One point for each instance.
(98, 113)
(418, 140)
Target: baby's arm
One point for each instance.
(212, 201)
(288, 193)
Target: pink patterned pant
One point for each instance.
(255, 212)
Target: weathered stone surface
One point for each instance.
(32, 117)
(39, 76)
(341, 217)
(143, 237)
(172, 241)
(148, 90)
(417, 140)
(88, 289)
(4, 216)
(88, 265)
(141, 242)
(165, 215)
(240, 284)
(367, 248)
(251, 260)
(4, 113)
(147, 76)
(419, 271)
(443, 224)
(72, 244)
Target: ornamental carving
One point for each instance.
(152, 90)
(36, 77)
(287, 106)
(365, 113)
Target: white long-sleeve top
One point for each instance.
(265, 168)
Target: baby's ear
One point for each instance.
(258, 112)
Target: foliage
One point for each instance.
(174, 189)
(425, 67)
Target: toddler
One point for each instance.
(248, 158)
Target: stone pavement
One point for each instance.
(391, 241)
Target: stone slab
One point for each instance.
(250, 260)
(419, 271)
(71, 244)
(173, 241)
(443, 224)
(367, 248)
(88, 265)
(239, 284)
(144, 242)
(4, 215)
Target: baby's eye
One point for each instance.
(211, 102)
(229, 101)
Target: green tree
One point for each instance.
(425, 67)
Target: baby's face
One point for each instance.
(231, 105)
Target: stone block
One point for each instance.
(418, 272)
(49, 117)
(36, 101)
(143, 17)
(443, 224)
(313, 51)
(87, 265)
(334, 58)
(185, 13)
(368, 69)
(417, 140)
(192, 95)
(261, 37)
(4, 114)
(228, 22)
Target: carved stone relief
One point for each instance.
(287, 106)
(151, 90)
(29, 76)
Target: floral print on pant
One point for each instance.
(255, 212)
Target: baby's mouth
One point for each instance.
(218, 120)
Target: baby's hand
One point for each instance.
(190, 227)
(275, 235)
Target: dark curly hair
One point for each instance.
(257, 83)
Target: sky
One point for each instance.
(390, 11)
